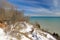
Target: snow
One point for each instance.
(27, 28)
(24, 38)
(3, 36)
(51, 37)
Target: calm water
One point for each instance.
(51, 24)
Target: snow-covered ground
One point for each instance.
(24, 31)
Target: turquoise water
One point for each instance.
(51, 24)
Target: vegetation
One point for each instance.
(12, 15)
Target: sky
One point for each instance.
(37, 7)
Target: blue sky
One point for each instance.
(38, 7)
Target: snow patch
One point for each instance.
(35, 35)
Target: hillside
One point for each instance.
(15, 26)
(23, 31)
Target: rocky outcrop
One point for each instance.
(56, 36)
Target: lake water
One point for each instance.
(51, 24)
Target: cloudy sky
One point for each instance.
(38, 7)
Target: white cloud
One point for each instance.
(41, 11)
(55, 2)
(35, 3)
(32, 11)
